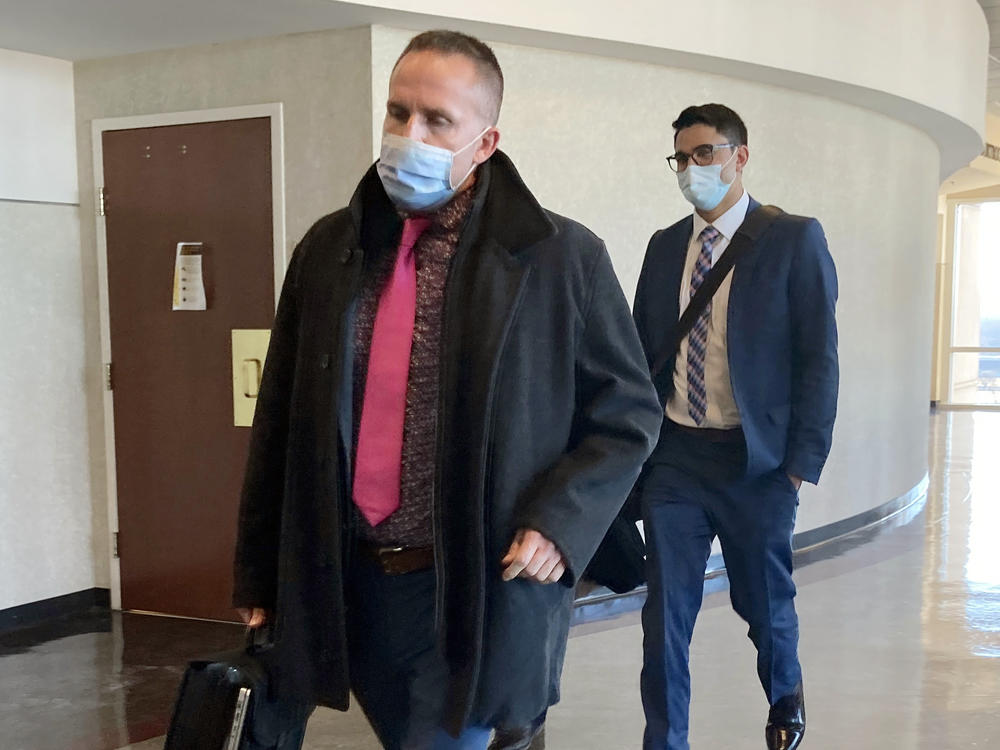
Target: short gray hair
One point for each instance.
(456, 43)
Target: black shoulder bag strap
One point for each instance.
(753, 227)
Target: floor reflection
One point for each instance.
(960, 616)
(900, 626)
(900, 639)
(97, 681)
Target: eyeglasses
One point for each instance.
(703, 156)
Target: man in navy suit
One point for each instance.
(750, 398)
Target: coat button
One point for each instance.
(347, 255)
(325, 361)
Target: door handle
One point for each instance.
(251, 378)
(249, 354)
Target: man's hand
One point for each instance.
(254, 617)
(534, 557)
(796, 481)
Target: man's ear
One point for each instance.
(487, 145)
(742, 157)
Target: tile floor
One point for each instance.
(900, 646)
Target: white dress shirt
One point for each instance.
(721, 412)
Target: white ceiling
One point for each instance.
(84, 29)
(982, 172)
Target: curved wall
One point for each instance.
(919, 61)
(590, 135)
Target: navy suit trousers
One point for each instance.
(694, 490)
(398, 674)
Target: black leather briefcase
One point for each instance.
(620, 561)
(224, 704)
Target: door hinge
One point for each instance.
(102, 205)
(114, 541)
(107, 377)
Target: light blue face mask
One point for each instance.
(703, 186)
(417, 176)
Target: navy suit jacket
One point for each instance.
(782, 338)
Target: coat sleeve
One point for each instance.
(815, 369)
(616, 422)
(259, 523)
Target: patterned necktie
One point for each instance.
(698, 338)
(380, 437)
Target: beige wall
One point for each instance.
(986, 193)
(47, 540)
(917, 61)
(589, 135)
(322, 79)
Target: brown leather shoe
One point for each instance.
(786, 722)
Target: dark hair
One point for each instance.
(456, 43)
(718, 116)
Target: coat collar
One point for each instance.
(510, 214)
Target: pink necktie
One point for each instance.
(380, 437)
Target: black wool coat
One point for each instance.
(546, 416)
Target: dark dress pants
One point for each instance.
(694, 491)
(397, 672)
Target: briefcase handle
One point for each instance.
(259, 639)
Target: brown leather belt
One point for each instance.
(395, 561)
(710, 434)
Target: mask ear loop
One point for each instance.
(735, 151)
(474, 165)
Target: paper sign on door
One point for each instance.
(189, 283)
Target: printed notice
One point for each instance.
(189, 283)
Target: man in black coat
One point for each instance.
(455, 405)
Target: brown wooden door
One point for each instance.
(179, 458)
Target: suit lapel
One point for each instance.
(675, 267)
(675, 257)
(740, 289)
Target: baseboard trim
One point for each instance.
(802, 543)
(33, 613)
(808, 540)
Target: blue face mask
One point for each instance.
(703, 186)
(417, 176)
